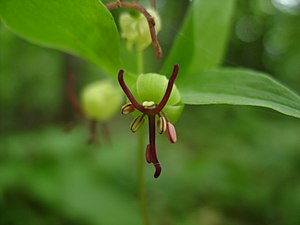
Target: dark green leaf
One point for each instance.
(201, 42)
(239, 87)
(83, 28)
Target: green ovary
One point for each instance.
(152, 87)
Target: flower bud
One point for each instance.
(101, 100)
(135, 29)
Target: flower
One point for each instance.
(135, 29)
(94, 99)
(153, 108)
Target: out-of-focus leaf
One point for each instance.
(239, 87)
(201, 42)
(83, 28)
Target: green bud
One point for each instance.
(135, 29)
(101, 100)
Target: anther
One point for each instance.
(127, 108)
(161, 124)
(149, 105)
(171, 132)
(137, 123)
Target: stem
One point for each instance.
(141, 175)
(71, 94)
(153, 155)
(93, 132)
(128, 92)
(106, 132)
(153, 4)
(140, 63)
(166, 97)
(140, 157)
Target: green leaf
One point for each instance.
(201, 42)
(239, 87)
(82, 28)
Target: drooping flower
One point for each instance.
(93, 102)
(134, 28)
(94, 99)
(160, 101)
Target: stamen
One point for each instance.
(149, 105)
(171, 132)
(161, 124)
(127, 108)
(137, 123)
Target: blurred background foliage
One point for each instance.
(231, 165)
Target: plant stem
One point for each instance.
(141, 175)
(140, 62)
(141, 158)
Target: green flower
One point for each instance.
(155, 98)
(135, 29)
(101, 100)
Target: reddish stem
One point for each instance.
(93, 132)
(71, 93)
(153, 155)
(128, 92)
(166, 97)
(153, 4)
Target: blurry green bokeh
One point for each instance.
(231, 165)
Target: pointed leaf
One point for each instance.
(83, 28)
(201, 42)
(239, 87)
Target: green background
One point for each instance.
(234, 165)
